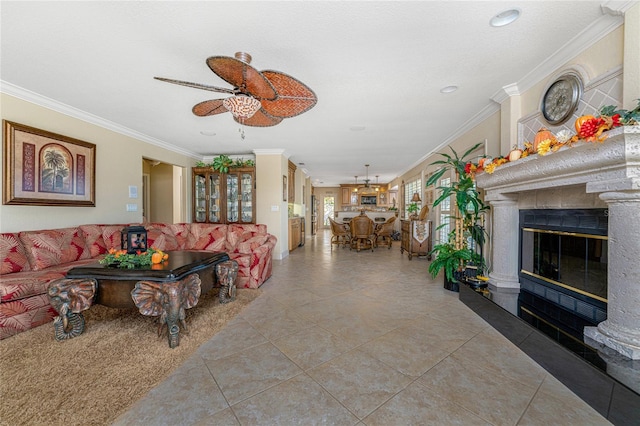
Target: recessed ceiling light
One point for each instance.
(207, 133)
(448, 89)
(357, 128)
(505, 18)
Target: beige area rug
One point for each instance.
(95, 377)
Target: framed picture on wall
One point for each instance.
(284, 188)
(46, 169)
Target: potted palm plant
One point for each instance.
(468, 233)
(412, 209)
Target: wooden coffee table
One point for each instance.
(165, 290)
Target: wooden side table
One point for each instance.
(416, 237)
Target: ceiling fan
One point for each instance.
(260, 98)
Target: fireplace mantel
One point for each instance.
(609, 171)
(613, 165)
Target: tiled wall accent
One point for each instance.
(603, 90)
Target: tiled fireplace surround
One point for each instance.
(587, 175)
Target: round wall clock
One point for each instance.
(561, 99)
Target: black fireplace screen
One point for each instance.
(574, 261)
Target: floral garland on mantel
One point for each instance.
(589, 128)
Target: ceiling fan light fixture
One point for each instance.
(242, 107)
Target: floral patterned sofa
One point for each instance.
(31, 259)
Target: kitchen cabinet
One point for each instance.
(295, 233)
(223, 197)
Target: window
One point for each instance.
(411, 188)
(445, 213)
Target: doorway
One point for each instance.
(146, 198)
(163, 195)
(329, 209)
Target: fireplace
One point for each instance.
(563, 267)
(588, 176)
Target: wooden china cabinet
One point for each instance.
(224, 197)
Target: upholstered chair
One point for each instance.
(383, 233)
(362, 235)
(339, 233)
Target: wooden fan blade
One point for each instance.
(197, 85)
(206, 108)
(294, 97)
(243, 76)
(260, 119)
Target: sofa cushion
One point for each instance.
(54, 247)
(205, 236)
(22, 315)
(239, 233)
(95, 240)
(244, 264)
(25, 284)
(252, 243)
(112, 236)
(181, 232)
(160, 236)
(12, 254)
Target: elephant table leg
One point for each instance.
(227, 273)
(169, 302)
(70, 297)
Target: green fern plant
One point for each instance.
(454, 254)
(221, 163)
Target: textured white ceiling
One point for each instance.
(374, 64)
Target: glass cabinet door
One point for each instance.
(200, 198)
(246, 200)
(232, 198)
(214, 198)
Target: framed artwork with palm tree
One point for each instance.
(47, 169)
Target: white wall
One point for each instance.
(118, 165)
(271, 209)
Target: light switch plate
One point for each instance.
(132, 207)
(133, 191)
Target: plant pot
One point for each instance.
(451, 285)
(455, 284)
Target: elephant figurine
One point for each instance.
(169, 302)
(227, 273)
(69, 297)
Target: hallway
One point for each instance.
(346, 338)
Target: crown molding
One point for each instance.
(617, 7)
(269, 152)
(505, 93)
(585, 39)
(43, 101)
(481, 116)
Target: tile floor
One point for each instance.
(346, 338)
